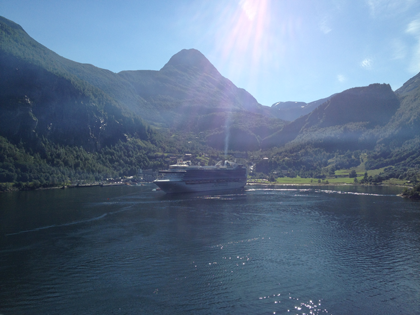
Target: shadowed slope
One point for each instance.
(343, 118)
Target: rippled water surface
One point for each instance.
(268, 250)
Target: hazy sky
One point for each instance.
(278, 50)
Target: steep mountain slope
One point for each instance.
(39, 96)
(342, 120)
(405, 124)
(399, 141)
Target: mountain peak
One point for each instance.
(190, 59)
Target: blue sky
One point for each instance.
(278, 50)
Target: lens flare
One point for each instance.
(242, 34)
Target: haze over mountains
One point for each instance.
(52, 88)
(45, 96)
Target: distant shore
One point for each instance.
(405, 194)
(332, 183)
(290, 182)
(95, 184)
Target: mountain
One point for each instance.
(343, 119)
(398, 141)
(189, 86)
(45, 95)
(290, 111)
(368, 127)
(406, 121)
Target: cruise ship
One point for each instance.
(183, 177)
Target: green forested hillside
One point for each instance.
(40, 96)
(406, 122)
(36, 102)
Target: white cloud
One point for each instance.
(385, 8)
(367, 63)
(341, 78)
(413, 29)
(399, 49)
(324, 26)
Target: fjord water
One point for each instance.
(267, 250)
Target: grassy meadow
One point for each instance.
(340, 177)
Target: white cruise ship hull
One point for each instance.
(169, 186)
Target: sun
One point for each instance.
(250, 8)
(244, 37)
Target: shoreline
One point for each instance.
(402, 195)
(14, 189)
(252, 183)
(325, 184)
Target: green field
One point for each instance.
(343, 179)
(314, 181)
(360, 172)
(334, 181)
